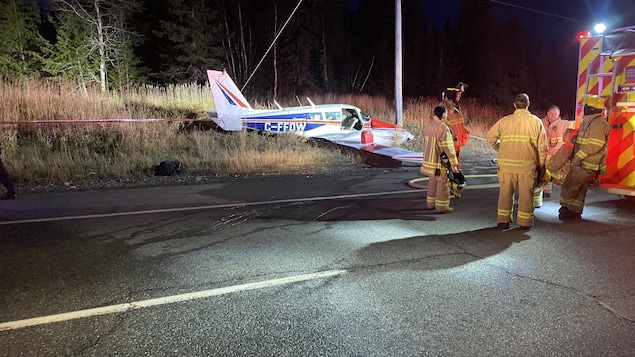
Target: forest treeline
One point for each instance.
(326, 46)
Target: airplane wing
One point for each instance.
(395, 153)
(381, 136)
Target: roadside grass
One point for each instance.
(47, 153)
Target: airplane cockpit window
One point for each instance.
(317, 116)
(334, 116)
(352, 113)
(365, 117)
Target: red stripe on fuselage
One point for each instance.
(232, 95)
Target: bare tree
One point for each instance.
(107, 31)
(238, 42)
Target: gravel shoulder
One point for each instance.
(473, 159)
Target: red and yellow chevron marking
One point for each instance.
(608, 67)
(620, 159)
(605, 82)
(590, 49)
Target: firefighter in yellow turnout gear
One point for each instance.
(437, 141)
(589, 158)
(521, 144)
(455, 120)
(555, 128)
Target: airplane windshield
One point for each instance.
(365, 117)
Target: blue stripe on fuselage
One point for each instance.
(290, 123)
(227, 96)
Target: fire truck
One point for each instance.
(606, 67)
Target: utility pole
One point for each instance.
(398, 67)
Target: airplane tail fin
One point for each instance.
(230, 103)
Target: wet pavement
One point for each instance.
(312, 266)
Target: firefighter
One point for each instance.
(554, 129)
(560, 163)
(589, 158)
(456, 121)
(437, 143)
(521, 144)
(450, 99)
(6, 181)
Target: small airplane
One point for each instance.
(342, 123)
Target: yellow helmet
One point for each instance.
(594, 101)
(545, 180)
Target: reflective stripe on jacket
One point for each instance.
(590, 144)
(456, 123)
(555, 133)
(520, 141)
(436, 139)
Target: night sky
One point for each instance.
(535, 15)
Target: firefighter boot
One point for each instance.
(502, 226)
(565, 214)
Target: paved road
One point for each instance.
(311, 267)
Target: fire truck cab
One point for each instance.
(606, 67)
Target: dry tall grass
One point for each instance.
(45, 153)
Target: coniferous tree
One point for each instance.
(415, 44)
(70, 54)
(334, 51)
(20, 41)
(107, 27)
(127, 67)
(445, 67)
(475, 44)
(508, 62)
(423, 64)
(295, 54)
(556, 73)
(188, 32)
(310, 52)
(374, 29)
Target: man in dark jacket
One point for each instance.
(6, 182)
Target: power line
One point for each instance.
(536, 11)
(272, 43)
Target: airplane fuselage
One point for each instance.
(304, 120)
(334, 122)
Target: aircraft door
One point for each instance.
(352, 119)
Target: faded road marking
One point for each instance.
(114, 309)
